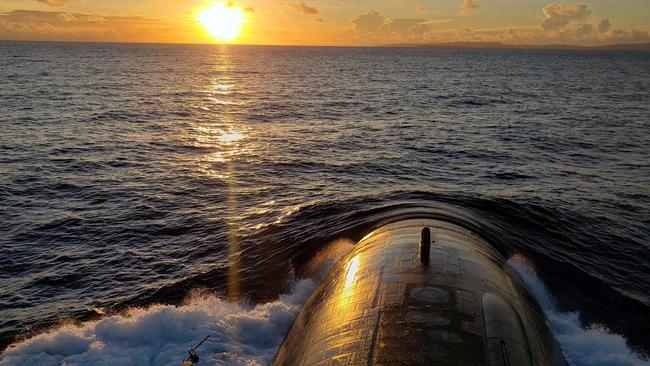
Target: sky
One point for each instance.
(332, 22)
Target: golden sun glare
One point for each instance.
(222, 22)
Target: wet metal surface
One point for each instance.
(382, 306)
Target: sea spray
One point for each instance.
(240, 334)
(582, 346)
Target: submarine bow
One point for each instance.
(421, 292)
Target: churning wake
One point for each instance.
(240, 334)
(244, 334)
(582, 346)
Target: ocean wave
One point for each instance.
(240, 334)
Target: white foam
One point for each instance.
(590, 346)
(240, 334)
(243, 334)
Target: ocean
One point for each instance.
(154, 194)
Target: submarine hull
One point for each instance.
(450, 301)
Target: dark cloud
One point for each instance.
(558, 16)
(304, 8)
(604, 25)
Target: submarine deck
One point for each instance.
(382, 305)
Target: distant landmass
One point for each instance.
(610, 47)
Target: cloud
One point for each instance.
(305, 9)
(56, 16)
(625, 36)
(375, 26)
(565, 20)
(53, 2)
(67, 17)
(584, 30)
(52, 25)
(369, 23)
(558, 16)
(421, 8)
(406, 26)
(604, 25)
(582, 34)
(468, 6)
(231, 4)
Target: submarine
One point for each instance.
(421, 291)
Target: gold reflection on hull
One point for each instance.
(347, 293)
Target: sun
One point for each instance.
(222, 22)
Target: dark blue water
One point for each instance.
(132, 174)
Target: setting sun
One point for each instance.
(222, 22)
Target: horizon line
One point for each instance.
(639, 46)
